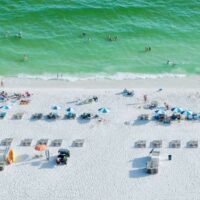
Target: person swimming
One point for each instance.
(146, 49)
(19, 35)
(25, 57)
(171, 63)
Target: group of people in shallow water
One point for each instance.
(84, 34)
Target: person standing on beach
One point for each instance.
(145, 98)
(2, 83)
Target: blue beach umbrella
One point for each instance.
(160, 112)
(177, 110)
(187, 113)
(104, 110)
(6, 107)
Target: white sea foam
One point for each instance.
(100, 76)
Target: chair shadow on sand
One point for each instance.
(82, 121)
(138, 165)
(140, 122)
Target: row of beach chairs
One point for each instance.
(54, 143)
(172, 144)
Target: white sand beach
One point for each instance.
(108, 166)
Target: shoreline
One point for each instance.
(159, 82)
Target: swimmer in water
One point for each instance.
(19, 35)
(25, 57)
(171, 63)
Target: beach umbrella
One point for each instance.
(40, 147)
(187, 113)
(160, 112)
(104, 110)
(55, 107)
(6, 107)
(177, 110)
(70, 110)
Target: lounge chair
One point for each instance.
(52, 116)
(152, 105)
(26, 142)
(140, 144)
(192, 144)
(153, 163)
(156, 144)
(2, 115)
(42, 141)
(17, 116)
(175, 144)
(70, 116)
(37, 116)
(167, 120)
(78, 143)
(56, 143)
(6, 142)
(2, 165)
(143, 117)
(88, 116)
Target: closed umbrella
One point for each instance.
(70, 110)
(55, 107)
(104, 110)
(40, 147)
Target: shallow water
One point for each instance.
(53, 40)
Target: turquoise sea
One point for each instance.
(72, 37)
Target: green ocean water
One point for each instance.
(71, 37)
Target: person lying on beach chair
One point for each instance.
(24, 102)
(88, 100)
(129, 93)
(88, 116)
(52, 116)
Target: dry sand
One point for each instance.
(107, 166)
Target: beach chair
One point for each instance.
(2, 115)
(156, 144)
(167, 120)
(42, 141)
(26, 142)
(52, 116)
(140, 144)
(70, 116)
(152, 105)
(17, 116)
(153, 163)
(78, 143)
(2, 165)
(37, 116)
(56, 143)
(192, 144)
(6, 142)
(143, 117)
(152, 166)
(175, 144)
